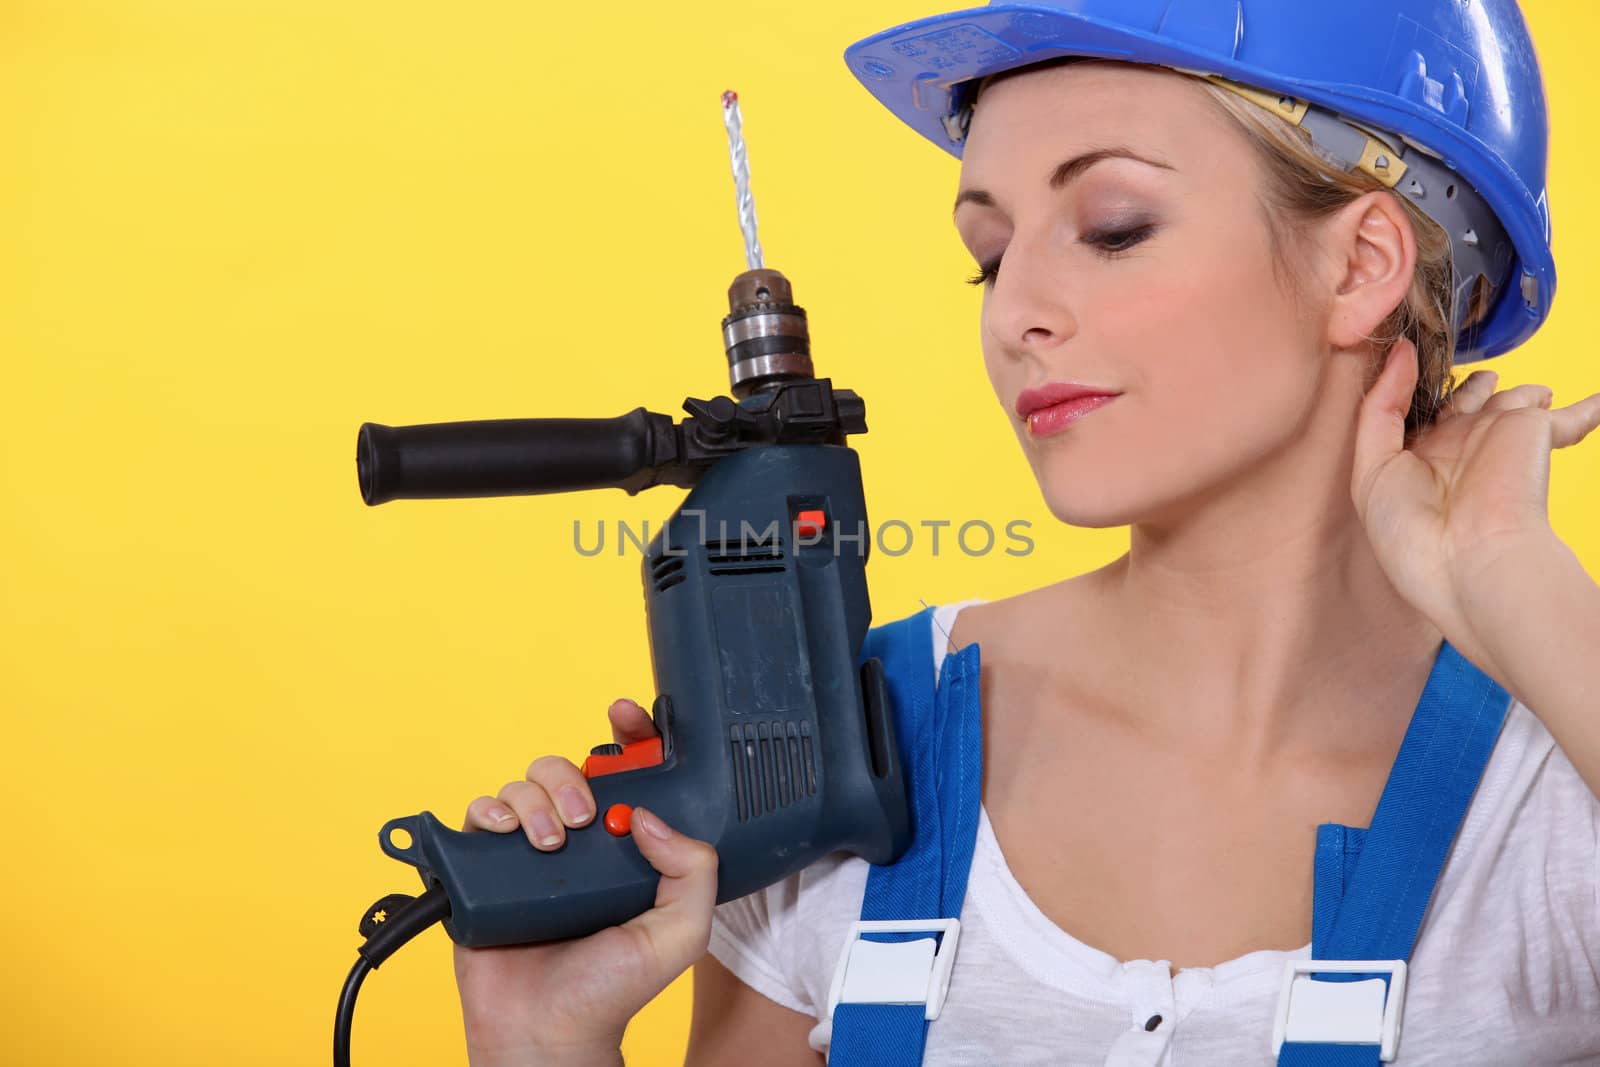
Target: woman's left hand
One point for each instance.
(1469, 494)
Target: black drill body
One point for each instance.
(778, 744)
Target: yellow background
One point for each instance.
(232, 230)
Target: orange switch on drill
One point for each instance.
(631, 758)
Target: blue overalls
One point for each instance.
(1341, 1008)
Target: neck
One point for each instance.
(1273, 625)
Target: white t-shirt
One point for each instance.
(1506, 970)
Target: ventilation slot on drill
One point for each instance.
(734, 557)
(774, 765)
(666, 572)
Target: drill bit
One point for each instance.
(741, 179)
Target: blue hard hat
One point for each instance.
(1445, 95)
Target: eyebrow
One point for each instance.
(1066, 173)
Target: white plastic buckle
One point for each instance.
(1341, 1013)
(896, 972)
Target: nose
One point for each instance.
(1028, 310)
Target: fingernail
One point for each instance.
(573, 806)
(545, 831)
(652, 825)
(500, 815)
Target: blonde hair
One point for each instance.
(1301, 187)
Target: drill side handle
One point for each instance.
(516, 457)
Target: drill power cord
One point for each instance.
(387, 925)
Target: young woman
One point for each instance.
(1313, 512)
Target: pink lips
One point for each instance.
(1052, 407)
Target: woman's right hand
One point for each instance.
(568, 1002)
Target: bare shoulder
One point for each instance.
(1007, 623)
(733, 1025)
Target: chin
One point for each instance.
(1093, 487)
(1122, 488)
(1099, 481)
(1093, 504)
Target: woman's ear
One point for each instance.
(1374, 252)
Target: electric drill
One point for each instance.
(776, 745)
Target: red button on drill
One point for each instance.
(810, 523)
(619, 820)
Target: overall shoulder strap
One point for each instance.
(1373, 886)
(890, 984)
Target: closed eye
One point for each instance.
(1109, 245)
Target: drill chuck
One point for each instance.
(765, 333)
